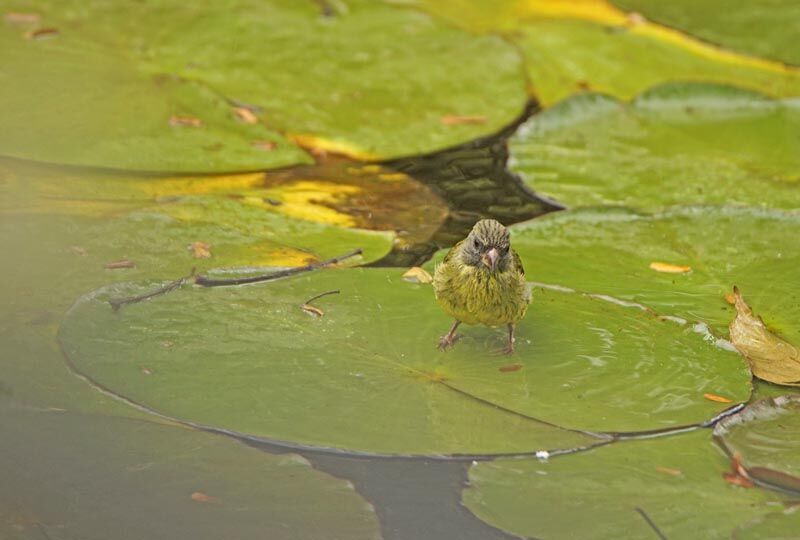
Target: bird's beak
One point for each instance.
(490, 259)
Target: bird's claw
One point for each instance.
(447, 341)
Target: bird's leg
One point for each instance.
(509, 348)
(450, 337)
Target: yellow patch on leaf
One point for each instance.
(186, 121)
(457, 119)
(245, 115)
(669, 268)
(771, 358)
(320, 146)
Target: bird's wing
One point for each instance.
(452, 253)
(518, 262)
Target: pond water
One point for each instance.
(138, 399)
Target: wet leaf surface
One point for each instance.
(766, 436)
(135, 479)
(607, 251)
(762, 27)
(675, 144)
(771, 358)
(596, 494)
(585, 363)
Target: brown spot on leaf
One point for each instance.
(42, 33)
(200, 250)
(669, 470)
(312, 310)
(121, 263)
(17, 17)
(461, 119)
(185, 121)
(266, 146)
(199, 496)
(245, 115)
(511, 367)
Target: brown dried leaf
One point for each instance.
(245, 115)
(121, 263)
(200, 250)
(189, 121)
(669, 268)
(670, 471)
(16, 17)
(511, 367)
(415, 274)
(771, 358)
(459, 119)
(312, 310)
(42, 33)
(718, 399)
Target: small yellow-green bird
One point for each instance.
(481, 281)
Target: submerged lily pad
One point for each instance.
(675, 144)
(767, 437)
(367, 375)
(371, 81)
(606, 493)
(761, 27)
(609, 251)
(89, 477)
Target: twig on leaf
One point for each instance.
(208, 282)
(651, 523)
(117, 303)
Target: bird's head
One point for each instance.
(487, 246)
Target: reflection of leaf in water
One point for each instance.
(771, 358)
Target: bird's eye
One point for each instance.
(476, 243)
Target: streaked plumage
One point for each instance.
(482, 281)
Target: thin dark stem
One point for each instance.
(208, 282)
(117, 303)
(651, 523)
(320, 295)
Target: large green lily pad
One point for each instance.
(677, 482)
(767, 437)
(76, 101)
(367, 375)
(365, 80)
(609, 251)
(764, 27)
(90, 477)
(571, 47)
(675, 144)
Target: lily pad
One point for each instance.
(366, 81)
(71, 100)
(611, 492)
(779, 525)
(675, 144)
(767, 437)
(250, 219)
(132, 479)
(367, 376)
(761, 27)
(609, 251)
(571, 47)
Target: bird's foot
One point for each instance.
(447, 340)
(507, 350)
